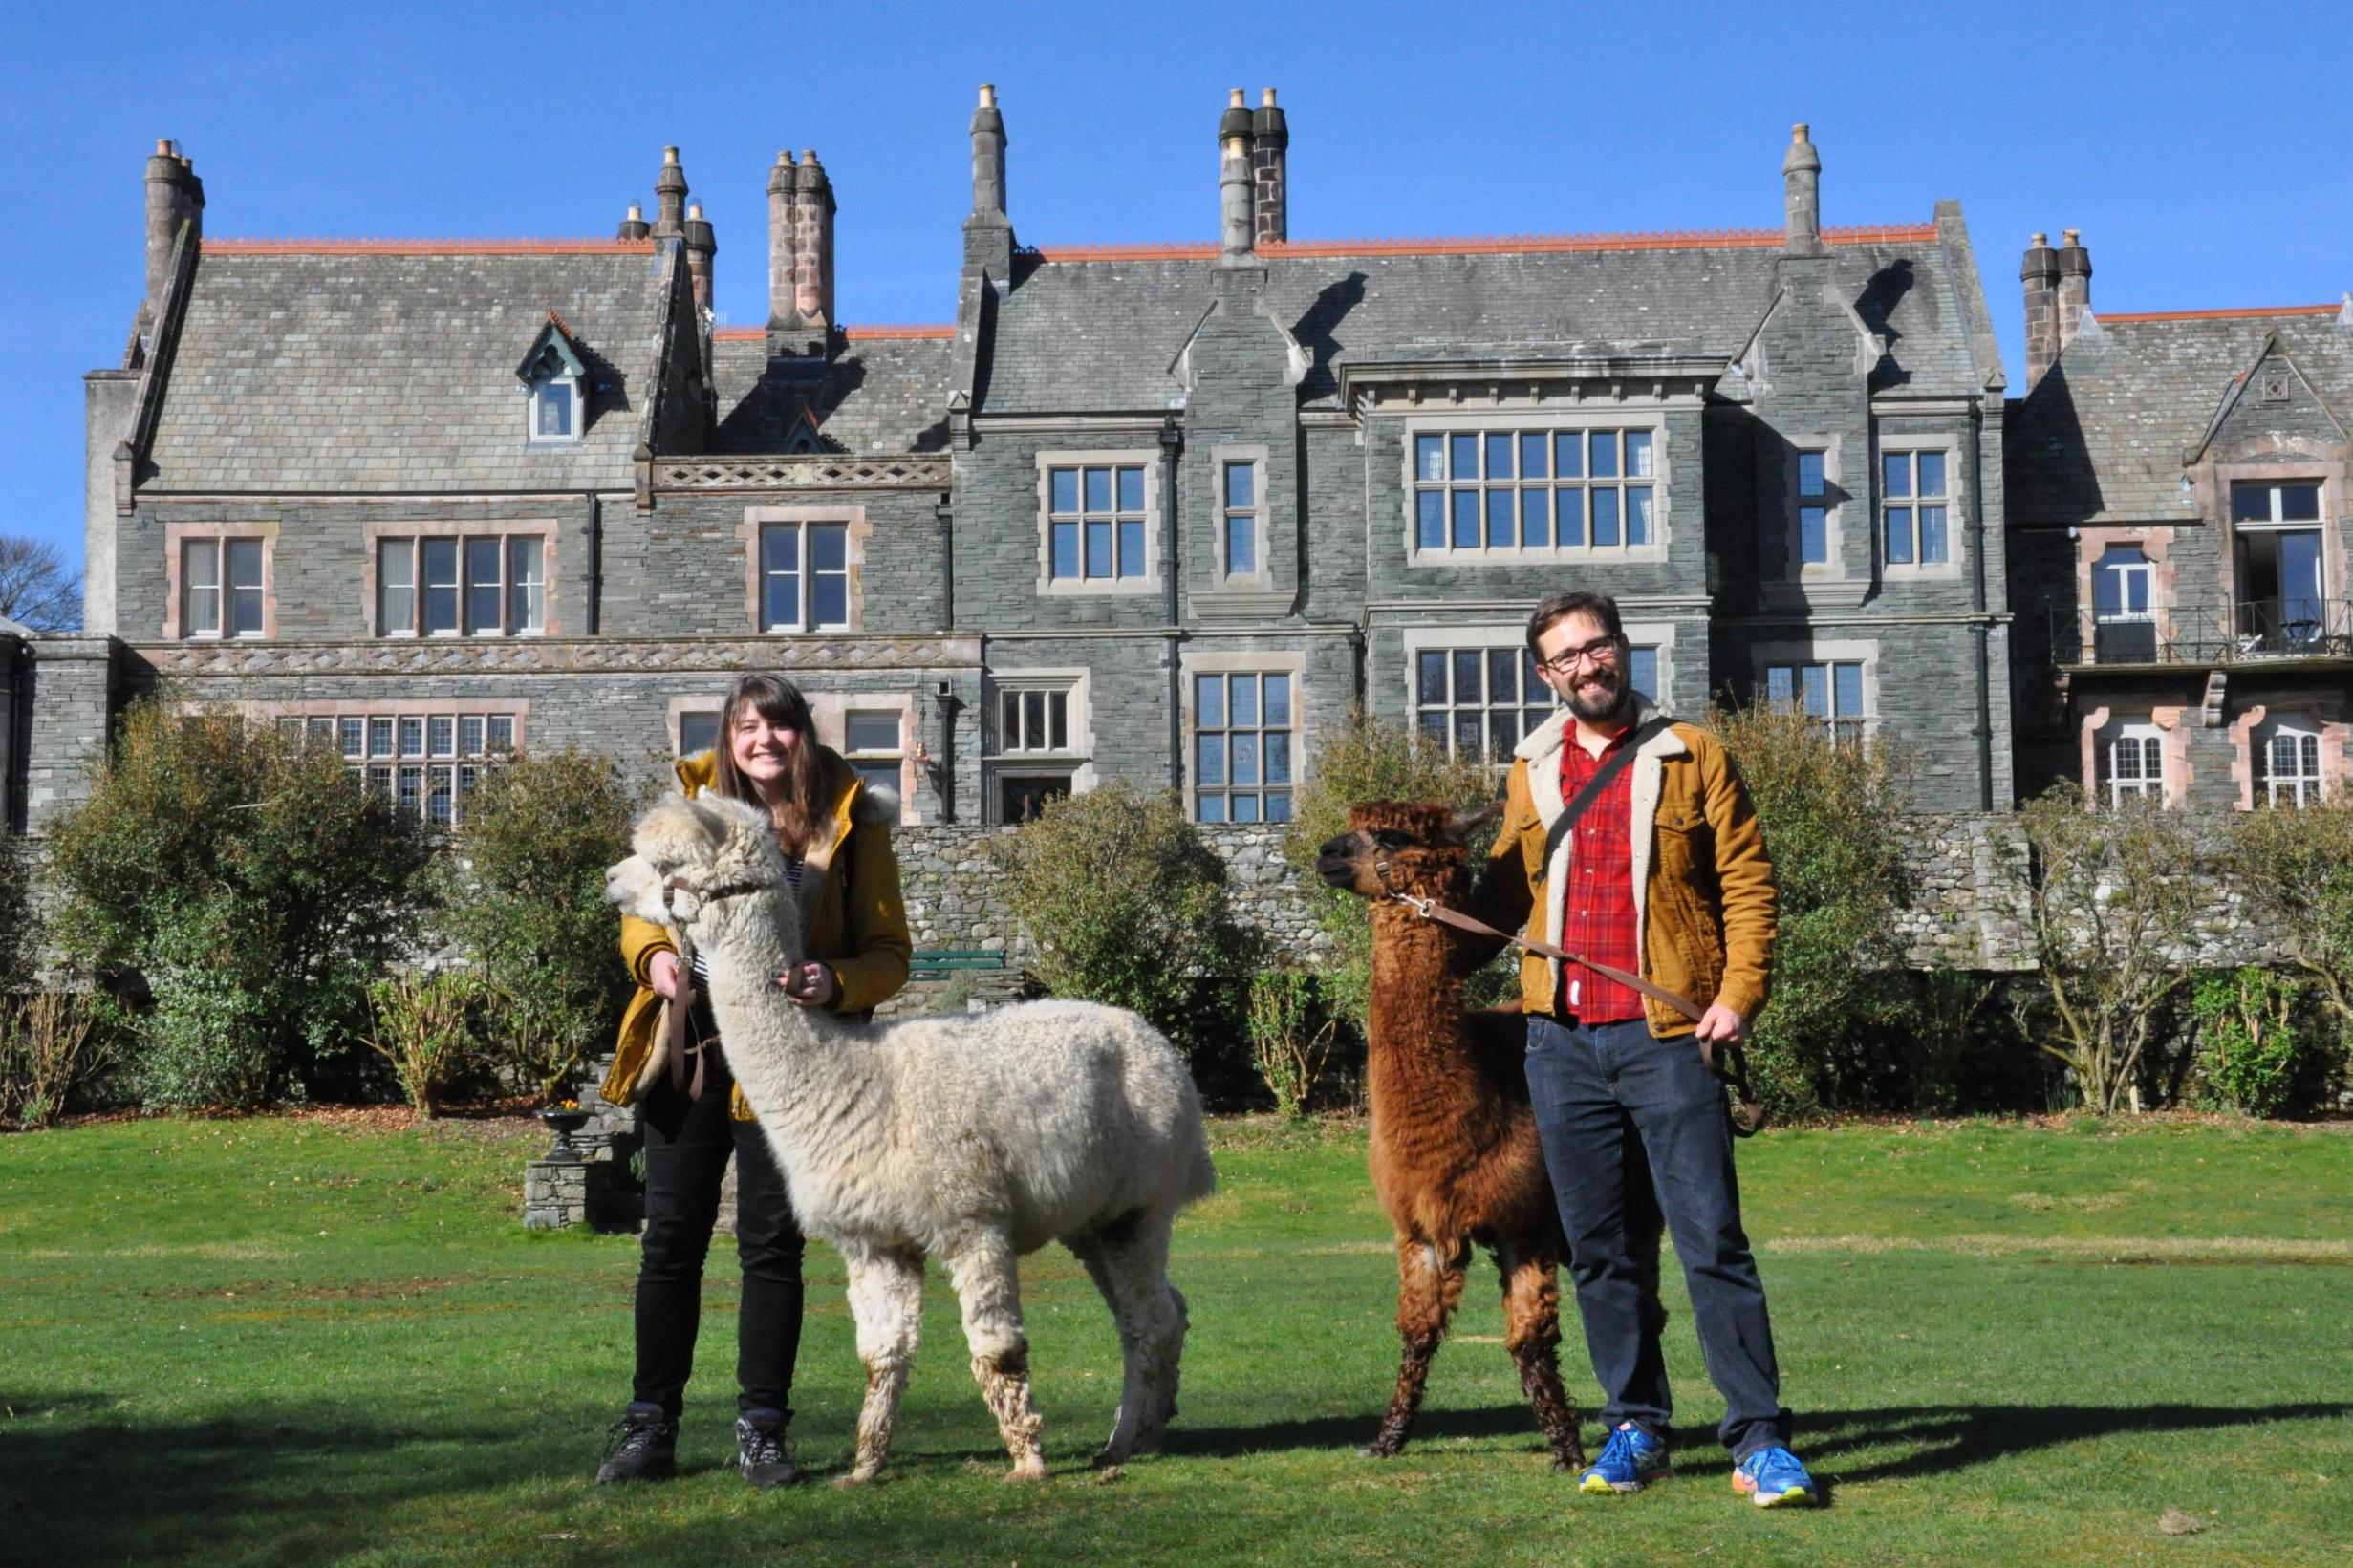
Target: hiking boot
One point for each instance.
(760, 1450)
(642, 1446)
(1774, 1478)
(1631, 1460)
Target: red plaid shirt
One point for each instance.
(1598, 921)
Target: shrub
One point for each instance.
(252, 884)
(54, 1047)
(20, 928)
(1291, 1035)
(2112, 891)
(1832, 815)
(1366, 758)
(2250, 1038)
(522, 895)
(423, 1029)
(2296, 868)
(1124, 904)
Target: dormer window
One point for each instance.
(554, 377)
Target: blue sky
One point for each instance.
(2206, 152)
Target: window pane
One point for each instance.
(2250, 503)
(1434, 725)
(829, 546)
(244, 613)
(527, 585)
(1132, 548)
(1237, 485)
(1535, 451)
(1428, 458)
(1895, 469)
(1209, 759)
(438, 804)
(1499, 456)
(1278, 757)
(396, 578)
(1899, 534)
(1278, 805)
(1813, 534)
(780, 549)
(1501, 534)
(1641, 672)
(1466, 520)
(200, 571)
(874, 731)
(441, 574)
(1469, 669)
(1502, 674)
(483, 591)
(1816, 689)
(1098, 549)
(412, 788)
(2300, 502)
(1536, 517)
(502, 732)
(1569, 454)
(1209, 701)
(1098, 489)
(1809, 473)
(555, 409)
(1570, 515)
(379, 736)
(1066, 550)
(1029, 714)
(1243, 699)
(1931, 473)
(1605, 517)
(1848, 693)
(442, 736)
(1502, 733)
(1780, 683)
(1130, 489)
(780, 608)
(1468, 733)
(1431, 684)
(697, 732)
(1245, 807)
(1213, 807)
(245, 581)
(470, 734)
(1242, 758)
(1638, 514)
(1430, 519)
(1932, 533)
(829, 599)
(1065, 489)
(1638, 454)
(1277, 701)
(351, 740)
(413, 737)
(1603, 449)
(1058, 717)
(1464, 452)
(1240, 545)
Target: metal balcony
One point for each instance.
(2253, 630)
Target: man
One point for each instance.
(1664, 874)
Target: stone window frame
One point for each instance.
(857, 528)
(1073, 762)
(2173, 787)
(829, 712)
(1829, 653)
(1256, 458)
(1656, 637)
(680, 709)
(177, 537)
(311, 712)
(1833, 568)
(1955, 501)
(1267, 662)
(1146, 457)
(1617, 416)
(374, 535)
(2336, 572)
(2251, 733)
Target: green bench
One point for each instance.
(940, 963)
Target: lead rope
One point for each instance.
(682, 1022)
(1730, 1063)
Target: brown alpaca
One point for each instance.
(1455, 1159)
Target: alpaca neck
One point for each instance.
(1418, 1060)
(794, 1068)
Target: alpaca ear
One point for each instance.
(1463, 823)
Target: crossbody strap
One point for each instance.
(1649, 728)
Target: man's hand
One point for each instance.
(810, 985)
(662, 972)
(1722, 1026)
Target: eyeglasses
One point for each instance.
(1600, 653)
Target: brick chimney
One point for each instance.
(702, 246)
(175, 196)
(670, 197)
(1270, 141)
(1802, 191)
(812, 226)
(2038, 277)
(1235, 131)
(2074, 285)
(633, 225)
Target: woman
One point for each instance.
(836, 842)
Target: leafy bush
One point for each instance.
(2250, 1041)
(53, 1047)
(1124, 904)
(20, 927)
(2296, 868)
(423, 1028)
(1291, 1035)
(1835, 1032)
(1368, 759)
(252, 884)
(522, 893)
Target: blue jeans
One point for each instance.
(1613, 1093)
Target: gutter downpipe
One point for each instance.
(1980, 629)
(1172, 441)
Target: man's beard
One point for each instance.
(1598, 707)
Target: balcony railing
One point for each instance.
(2249, 632)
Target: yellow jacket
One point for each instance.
(849, 907)
(1704, 899)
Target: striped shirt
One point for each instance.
(703, 965)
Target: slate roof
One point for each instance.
(357, 369)
(878, 395)
(1086, 337)
(2102, 437)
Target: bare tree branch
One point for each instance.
(38, 589)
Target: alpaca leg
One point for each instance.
(1428, 1288)
(1532, 1333)
(1131, 1269)
(988, 1289)
(886, 1298)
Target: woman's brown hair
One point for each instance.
(780, 702)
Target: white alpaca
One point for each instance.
(975, 1138)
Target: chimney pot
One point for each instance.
(1267, 99)
(988, 95)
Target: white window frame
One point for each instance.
(2306, 785)
(1148, 581)
(1253, 458)
(1911, 449)
(1620, 418)
(515, 620)
(427, 757)
(806, 622)
(223, 593)
(872, 759)
(1655, 637)
(1196, 666)
(2145, 734)
(535, 393)
(1796, 656)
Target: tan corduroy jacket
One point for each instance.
(849, 908)
(1704, 899)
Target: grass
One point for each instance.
(297, 1340)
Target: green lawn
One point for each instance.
(304, 1341)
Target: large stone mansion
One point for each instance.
(1161, 512)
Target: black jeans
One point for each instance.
(687, 1145)
(1613, 1093)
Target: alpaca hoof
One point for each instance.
(1380, 1450)
(1028, 1472)
(1569, 1464)
(1107, 1472)
(856, 1478)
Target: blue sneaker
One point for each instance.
(1630, 1460)
(1774, 1478)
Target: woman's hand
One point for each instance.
(810, 985)
(662, 972)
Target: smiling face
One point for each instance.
(762, 748)
(1590, 674)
